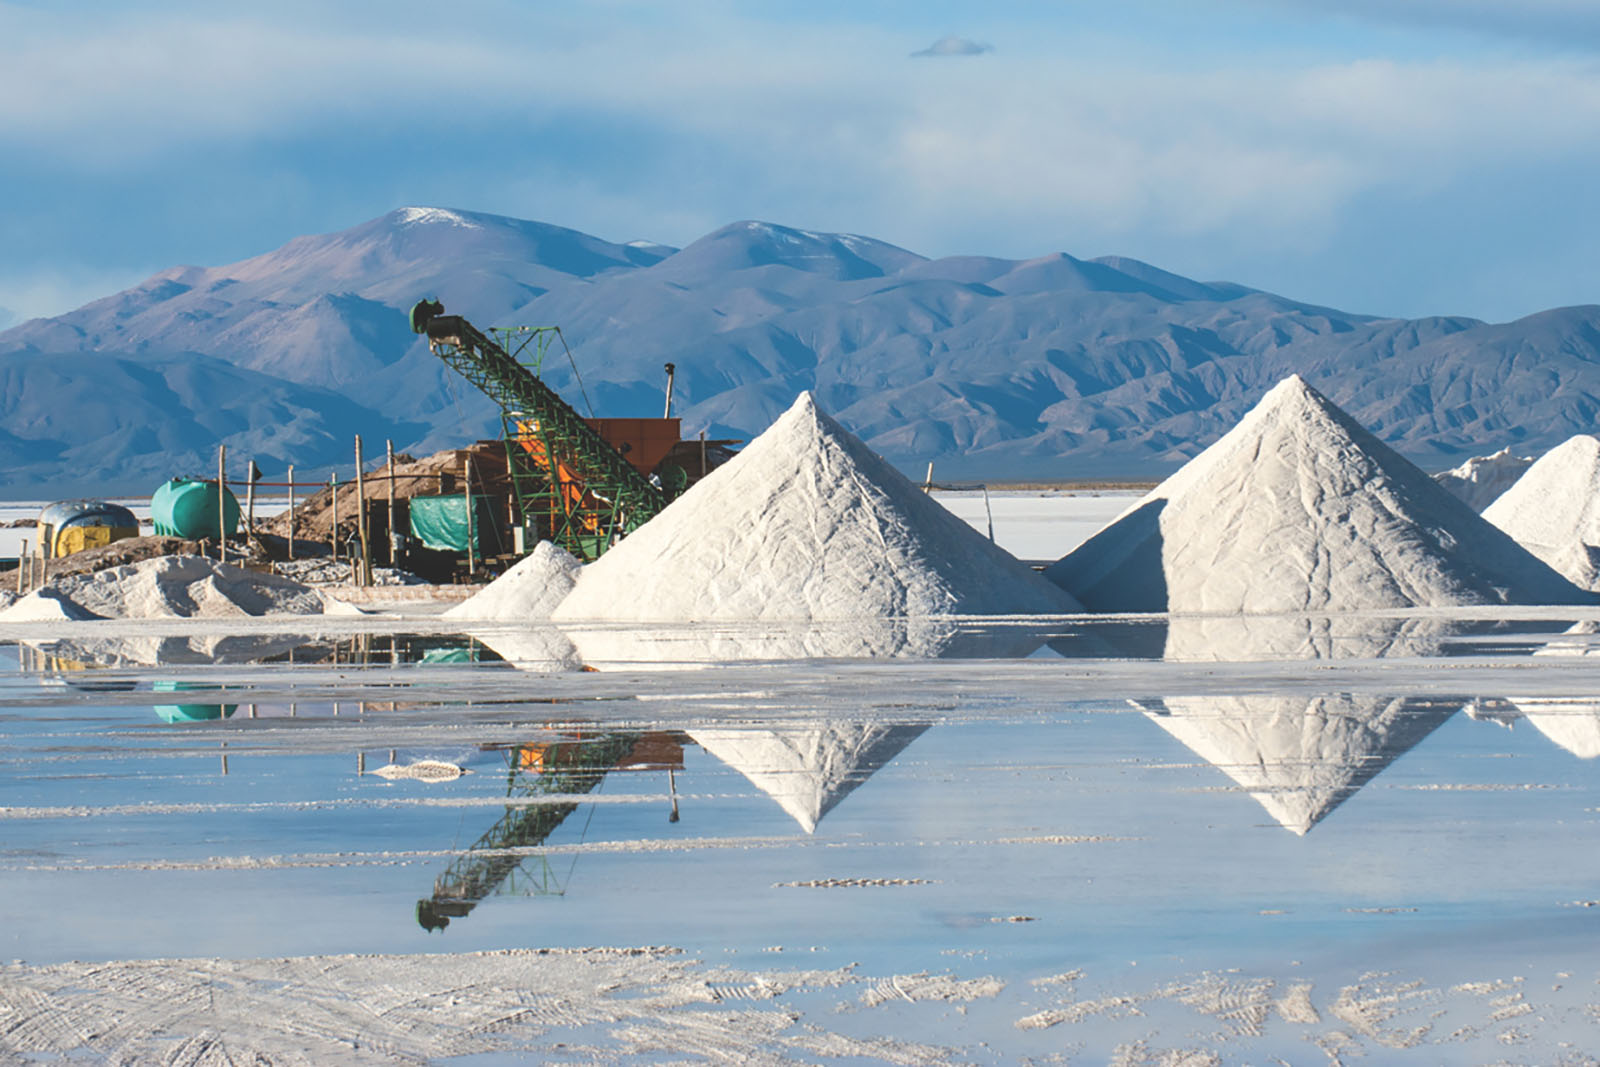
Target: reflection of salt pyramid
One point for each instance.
(1300, 509)
(1301, 759)
(807, 523)
(808, 769)
(1554, 510)
(1574, 725)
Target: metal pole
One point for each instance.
(333, 532)
(467, 481)
(291, 511)
(364, 575)
(222, 503)
(927, 486)
(394, 533)
(670, 369)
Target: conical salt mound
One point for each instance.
(1301, 759)
(1300, 509)
(1554, 510)
(807, 523)
(1480, 480)
(808, 769)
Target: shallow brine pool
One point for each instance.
(1132, 840)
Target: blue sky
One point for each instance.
(1402, 157)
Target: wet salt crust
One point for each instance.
(529, 590)
(1554, 510)
(169, 587)
(807, 523)
(1298, 508)
(1480, 480)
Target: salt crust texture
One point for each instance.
(529, 590)
(1554, 510)
(807, 523)
(808, 769)
(168, 587)
(1480, 480)
(1300, 509)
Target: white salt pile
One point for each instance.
(529, 590)
(808, 769)
(169, 587)
(1299, 758)
(1300, 509)
(1480, 480)
(1554, 510)
(806, 523)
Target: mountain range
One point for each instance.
(1001, 370)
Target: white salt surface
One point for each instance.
(427, 770)
(529, 590)
(1554, 510)
(1300, 509)
(1037, 524)
(1480, 480)
(168, 587)
(806, 523)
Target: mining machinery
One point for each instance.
(572, 485)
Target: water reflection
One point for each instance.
(808, 769)
(607, 646)
(570, 767)
(189, 712)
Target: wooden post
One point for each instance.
(394, 515)
(702, 453)
(291, 511)
(467, 482)
(364, 571)
(250, 501)
(333, 533)
(222, 503)
(22, 568)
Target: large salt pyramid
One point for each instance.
(1301, 758)
(1554, 510)
(808, 769)
(807, 523)
(1300, 509)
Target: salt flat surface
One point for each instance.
(1237, 839)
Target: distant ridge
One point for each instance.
(1054, 367)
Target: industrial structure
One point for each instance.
(582, 483)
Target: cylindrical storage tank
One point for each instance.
(187, 508)
(69, 526)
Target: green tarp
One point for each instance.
(440, 522)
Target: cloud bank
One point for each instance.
(953, 46)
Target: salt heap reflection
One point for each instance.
(808, 769)
(1301, 758)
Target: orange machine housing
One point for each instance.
(644, 442)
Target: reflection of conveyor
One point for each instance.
(537, 770)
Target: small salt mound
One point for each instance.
(1554, 510)
(806, 523)
(45, 605)
(425, 770)
(529, 590)
(178, 587)
(1480, 480)
(1299, 758)
(1299, 509)
(808, 769)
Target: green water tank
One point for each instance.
(187, 508)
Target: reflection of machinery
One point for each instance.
(69, 526)
(582, 483)
(555, 769)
